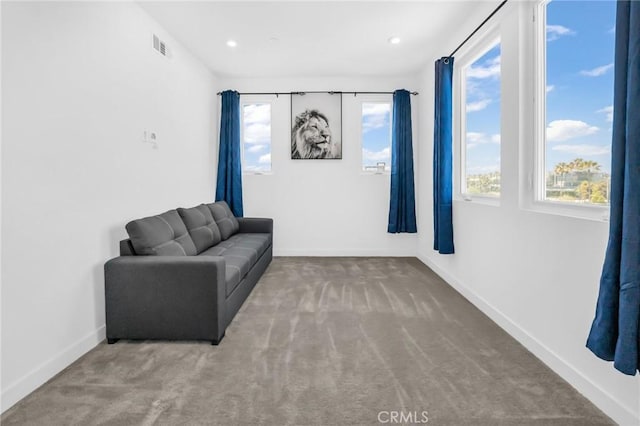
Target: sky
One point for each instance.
(579, 90)
(483, 113)
(256, 120)
(376, 134)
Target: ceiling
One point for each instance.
(311, 39)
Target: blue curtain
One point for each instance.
(442, 159)
(402, 206)
(229, 183)
(615, 335)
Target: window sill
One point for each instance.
(257, 173)
(584, 212)
(366, 173)
(479, 199)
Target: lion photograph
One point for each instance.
(313, 135)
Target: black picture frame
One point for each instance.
(316, 126)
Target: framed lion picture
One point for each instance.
(316, 126)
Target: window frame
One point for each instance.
(374, 99)
(489, 39)
(537, 177)
(252, 100)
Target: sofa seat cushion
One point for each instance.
(257, 242)
(240, 252)
(201, 226)
(224, 218)
(161, 235)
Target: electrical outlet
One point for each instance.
(150, 137)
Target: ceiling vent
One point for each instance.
(160, 46)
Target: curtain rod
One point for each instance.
(478, 27)
(321, 91)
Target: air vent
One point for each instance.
(159, 46)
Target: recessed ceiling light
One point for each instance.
(231, 43)
(394, 40)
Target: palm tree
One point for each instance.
(591, 166)
(561, 169)
(577, 165)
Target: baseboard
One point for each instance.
(601, 399)
(45, 371)
(344, 253)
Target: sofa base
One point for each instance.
(216, 342)
(126, 320)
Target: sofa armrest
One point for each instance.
(165, 297)
(255, 225)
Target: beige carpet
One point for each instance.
(323, 341)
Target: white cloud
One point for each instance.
(383, 154)
(609, 111)
(473, 87)
(257, 133)
(256, 148)
(375, 108)
(583, 150)
(478, 106)
(598, 71)
(550, 88)
(477, 138)
(562, 130)
(257, 123)
(491, 69)
(375, 115)
(257, 113)
(612, 30)
(554, 32)
(265, 159)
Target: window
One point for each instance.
(256, 138)
(480, 123)
(376, 136)
(576, 52)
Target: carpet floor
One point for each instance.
(321, 341)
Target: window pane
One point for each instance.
(256, 137)
(376, 136)
(579, 98)
(482, 139)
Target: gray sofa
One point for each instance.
(183, 274)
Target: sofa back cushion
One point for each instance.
(201, 226)
(225, 220)
(161, 235)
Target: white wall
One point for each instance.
(80, 85)
(535, 274)
(324, 208)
